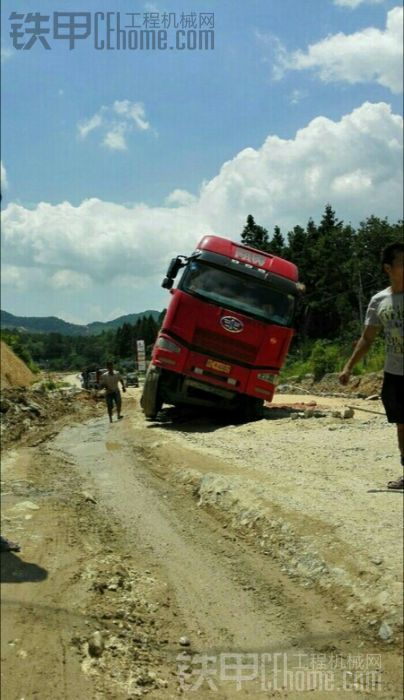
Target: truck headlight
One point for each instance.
(266, 377)
(165, 344)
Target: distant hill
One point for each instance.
(52, 324)
(98, 326)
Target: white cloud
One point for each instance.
(355, 163)
(97, 238)
(180, 198)
(6, 54)
(151, 7)
(131, 115)
(287, 181)
(369, 55)
(353, 4)
(3, 177)
(22, 278)
(69, 279)
(12, 276)
(134, 111)
(87, 126)
(297, 96)
(115, 138)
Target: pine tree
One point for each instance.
(277, 244)
(255, 235)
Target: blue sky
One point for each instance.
(114, 161)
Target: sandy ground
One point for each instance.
(273, 548)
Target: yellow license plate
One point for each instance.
(219, 366)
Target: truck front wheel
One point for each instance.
(250, 409)
(150, 401)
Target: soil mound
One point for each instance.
(14, 372)
(360, 387)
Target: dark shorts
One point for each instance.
(393, 397)
(112, 397)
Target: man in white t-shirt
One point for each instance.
(385, 312)
(110, 381)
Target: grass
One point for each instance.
(325, 357)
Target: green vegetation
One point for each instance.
(341, 269)
(17, 342)
(321, 357)
(57, 352)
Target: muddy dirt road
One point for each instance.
(190, 557)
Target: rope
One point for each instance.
(316, 393)
(367, 410)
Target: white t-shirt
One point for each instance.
(110, 381)
(385, 311)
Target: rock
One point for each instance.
(88, 497)
(35, 408)
(144, 679)
(348, 413)
(336, 414)
(377, 561)
(385, 632)
(309, 413)
(184, 642)
(24, 505)
(96, 644)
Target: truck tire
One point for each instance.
(250, 409)
(150, 400)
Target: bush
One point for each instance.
(325, 358)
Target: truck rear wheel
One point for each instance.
(150, 401)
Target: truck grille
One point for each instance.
(231, 348)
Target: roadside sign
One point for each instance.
(141, 355)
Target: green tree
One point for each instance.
(276, 246)
(255, 235)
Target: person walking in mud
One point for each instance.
(385, 311)
(110, 381)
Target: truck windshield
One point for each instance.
(238, 292)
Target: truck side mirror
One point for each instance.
(174, 266)
(167, 282)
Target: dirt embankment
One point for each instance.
(14, 372)
(33, 411)
(361, 387)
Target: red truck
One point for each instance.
(226, 332)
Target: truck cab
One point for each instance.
(227, 329)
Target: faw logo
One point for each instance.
(231, 324)
(249, 256)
